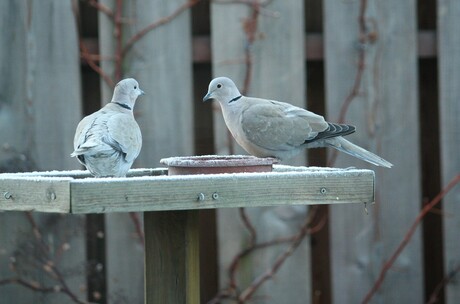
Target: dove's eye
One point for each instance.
(135, 87)
(219, 85)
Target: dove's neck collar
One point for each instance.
(235, 99)
(122, 105)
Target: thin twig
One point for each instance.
(137, 225)
(260, 8)
(118, 23)
(37, 234)
(84, 53)
(408, 236)
(304, 231)
(249, 226)
(98, 57)
(231, 291)
(449, 277)
(245, 252)
(35, 286)
(101, 7)
(154, 25)
(64, 287)
(50, 268)
(250, 28)
(92, 64)
(361, 61)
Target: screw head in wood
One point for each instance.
(215, 196)
(365, 208)
(7, 195)
(200, 197)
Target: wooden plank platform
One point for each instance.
(176, 232)
(153, 190)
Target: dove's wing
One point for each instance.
(124, 135)
(276, 125)
(82, 130)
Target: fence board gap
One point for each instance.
(431, 175)
(96, 262)
(320, 257)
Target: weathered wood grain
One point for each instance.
(162, 62)
(229, 190)
(172, 257)
(155, 193)
(78, 174)
(55, 104)
(32, 195)
(386, 115)
(449, 98)
(15, 136)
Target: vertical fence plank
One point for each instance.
(161, 62)
(55, 83)
(124, 259)
(107, 48)
(449, 96)
(13, 15)
(278, 72)
(41, 108)
(227, 60)
(351, 231)
(43, 84)
(386, 115)
(14, 135)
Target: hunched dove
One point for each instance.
(268, 128)
(108, 141)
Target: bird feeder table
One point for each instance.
(171, 202)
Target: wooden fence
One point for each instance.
(391, 68)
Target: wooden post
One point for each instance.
(172, 257)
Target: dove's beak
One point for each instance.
(142, 92)
(207, 97)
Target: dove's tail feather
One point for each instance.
(91, 148)
(344, 145)
(79, 151)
